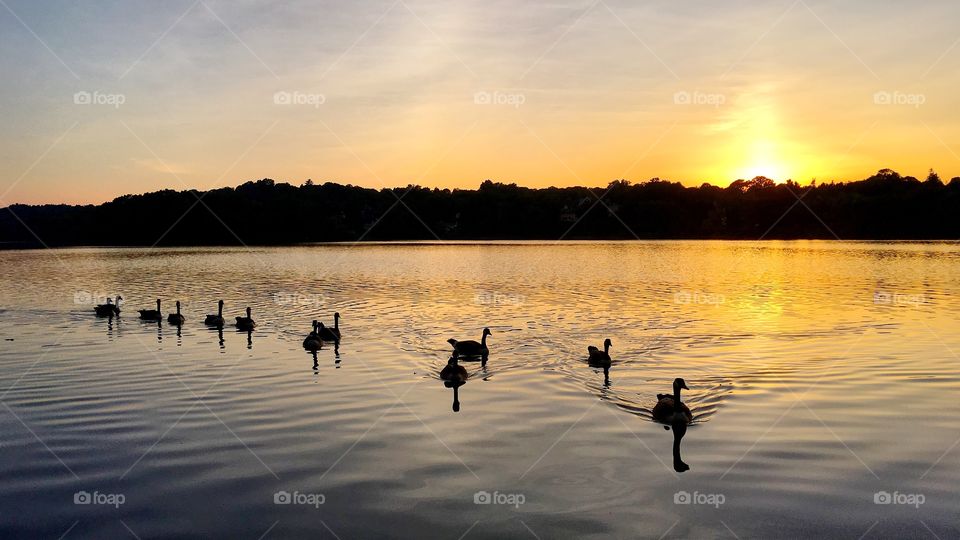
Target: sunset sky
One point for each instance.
(200, 94)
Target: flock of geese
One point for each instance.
(669, 408)
(313, 342)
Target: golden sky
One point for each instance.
(105, 98)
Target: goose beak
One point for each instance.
(684, 386)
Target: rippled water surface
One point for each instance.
(822, 376)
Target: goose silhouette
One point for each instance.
(330, 334)
(151, 314)
(215, 320)
(110, 309)
(313, 342)
(246, 323)
(470, 347)
(176, 318)
(669, 409)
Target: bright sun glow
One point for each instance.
(764, 159)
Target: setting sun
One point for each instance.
(763, 159)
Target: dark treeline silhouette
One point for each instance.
(884, 206)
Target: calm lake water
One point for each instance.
(823, 378)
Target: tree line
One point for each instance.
(264, 212)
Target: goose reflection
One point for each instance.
(110, 321)
(249, 332)
(454, 376)
(220, 337)
(606, 373)
(679, 429)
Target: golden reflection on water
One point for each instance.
(799, 357)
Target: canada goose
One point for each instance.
(176, 318)
(151, 314)
(312, 342)
(215, 320)
(109, 309)
(600, 357)
(454, 372)
(330, 334)
(470, 347)
(669, 409)
(246, 323)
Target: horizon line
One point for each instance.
(811, 182)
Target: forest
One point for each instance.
(264, 212)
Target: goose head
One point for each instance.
(679, 383)
(248, 312)
(158, 304)
(607, 344)
(119, 298)
(178, 306)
